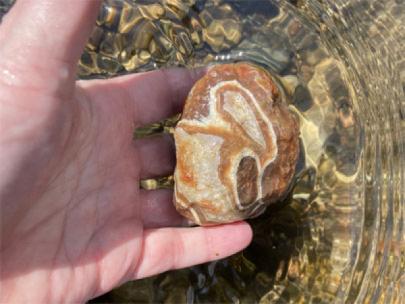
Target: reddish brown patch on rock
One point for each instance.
(247, 180)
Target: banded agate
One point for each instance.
(236, 146)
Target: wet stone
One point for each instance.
(223, 145)
(130, 16)
(266, 8)
(222, 34)
(108, 64)
(88, 63)
(111, 45)
(109, 15)
(161, 49)
(290, 83)
(136, 61)
(96, 37)
(177, 9)
(143, 34)
(302, 98)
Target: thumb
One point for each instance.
(145, 253)
(41, 41)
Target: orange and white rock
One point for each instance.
(236, 146)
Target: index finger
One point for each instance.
(150, 96)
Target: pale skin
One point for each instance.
(74, 223)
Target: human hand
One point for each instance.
(74, 222)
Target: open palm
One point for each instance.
(74, 222)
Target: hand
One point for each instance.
(74, 222)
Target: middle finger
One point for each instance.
(157, 156)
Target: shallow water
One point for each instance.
(339, 236)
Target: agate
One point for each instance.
(237, 146)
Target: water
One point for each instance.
(339, 236)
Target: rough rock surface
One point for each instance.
(236, 146)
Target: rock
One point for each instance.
(236, 146)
